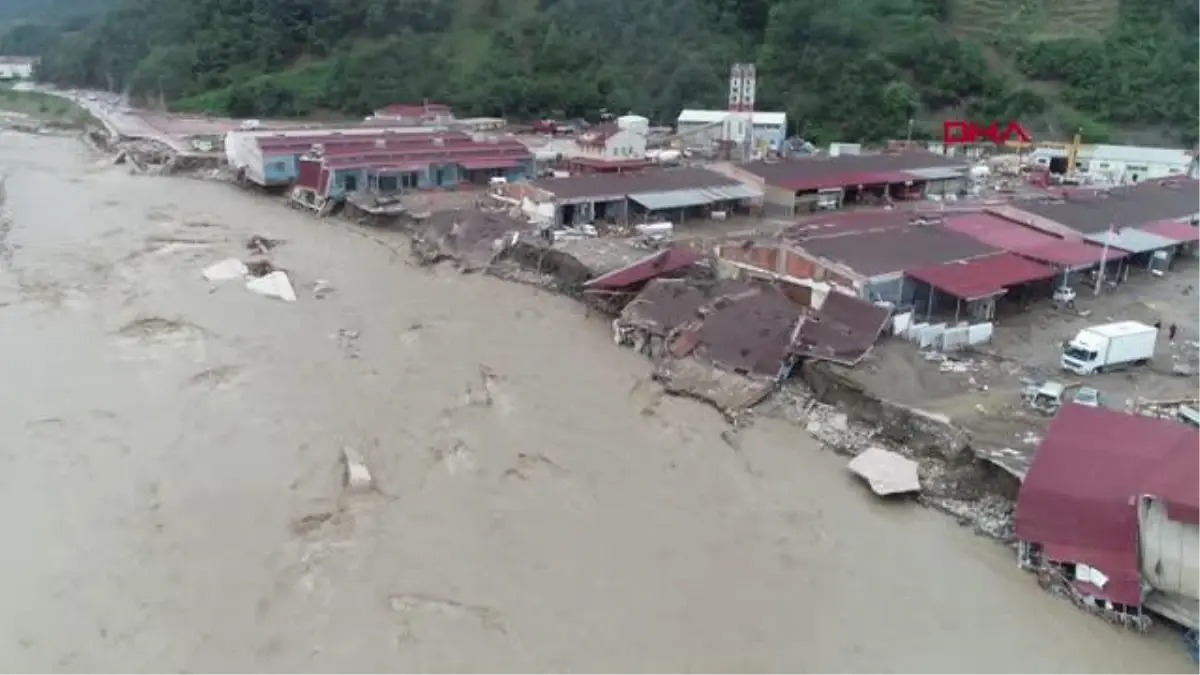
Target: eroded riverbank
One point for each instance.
(165, 443)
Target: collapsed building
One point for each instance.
(1108, 514)
(732, 341)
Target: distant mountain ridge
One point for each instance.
(852, 69)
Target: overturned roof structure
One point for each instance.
(843, 330)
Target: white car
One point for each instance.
(1088, 396)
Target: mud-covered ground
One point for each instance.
(170, 484)
(982, 389)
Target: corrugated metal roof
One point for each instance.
(714, 116)
(672, 199)
(982, 277)
(849, 179)
(1027, 241)
(1132, 239)
(935, 173)
(1090, 516)
(881, 252)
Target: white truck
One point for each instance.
(1112, 345)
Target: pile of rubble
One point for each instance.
(949, 488)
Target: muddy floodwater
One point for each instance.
(170, 479)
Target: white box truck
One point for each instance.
(1108, 346)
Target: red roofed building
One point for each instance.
(416, 113)
(331, 164)
(607, 148)
(1110, 504)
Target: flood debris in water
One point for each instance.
(261, 244)
(321, 288)
(357, 477)
(273, 285)
(226, 270)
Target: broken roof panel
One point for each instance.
(895, 250)
(843, 330)
(664, 305)
(887, 472)
(1131, 239)
(655, 265)
(1079, 498)
(749, 329)
(982, 277)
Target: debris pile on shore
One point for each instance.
(945, 486)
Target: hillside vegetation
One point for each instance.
(852, 69)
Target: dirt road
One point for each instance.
(169, 476)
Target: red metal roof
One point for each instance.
(849, 179)
(982, 277)
(1028, 242)
(1079, 499)
(658, 264)
(489, 162)
(335, 142)
(1173, 229)
(427, 156)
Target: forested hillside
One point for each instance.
(847, 69)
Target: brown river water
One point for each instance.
(170, 486)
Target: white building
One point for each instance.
(1120, 164)
(16, 67)
(702, 128)
(609, 142)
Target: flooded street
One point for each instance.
(171, 488)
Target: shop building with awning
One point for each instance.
(676, 195)
(873, 264)
(1147, 221)
(973, 286)
(1069, 257)
(386, 165)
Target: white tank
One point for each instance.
(1169, 550)
(634, 123)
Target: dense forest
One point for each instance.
(851, 69)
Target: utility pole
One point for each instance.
(1108, 235)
